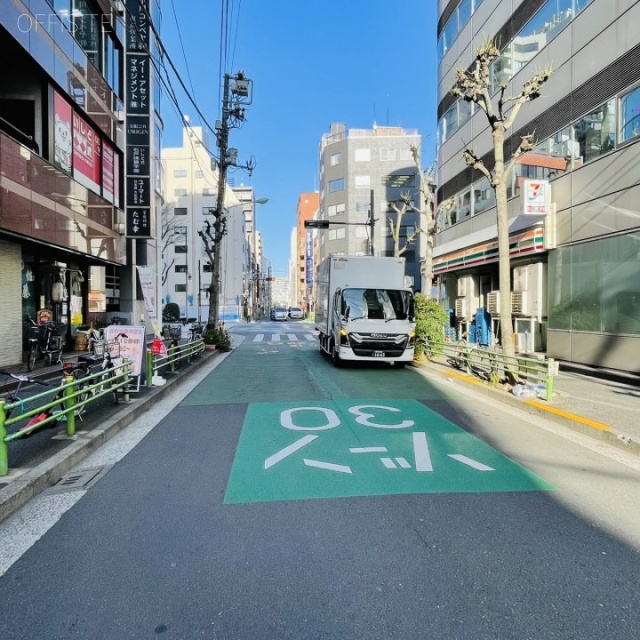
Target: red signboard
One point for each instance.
(62, 137)
(86, 154)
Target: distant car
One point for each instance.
(296, 313)
(280, 313)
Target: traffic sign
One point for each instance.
(342, 448)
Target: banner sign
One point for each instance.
(131, 347)
(309, 256)
(536, 197)
(138, 126)
(62, 135)
(148, 285)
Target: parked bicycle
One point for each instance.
(195, 331)
(42, 341)
(13, 385)
(85, 366)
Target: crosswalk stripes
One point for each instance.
(288, 337)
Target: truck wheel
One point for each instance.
(335, 357)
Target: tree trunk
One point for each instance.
(504, 264)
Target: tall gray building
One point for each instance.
(575, 270)
(364, 167)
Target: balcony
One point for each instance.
(40, 202)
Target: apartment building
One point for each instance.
(361, 171)
(63, 99)
(575, 269)
(190, 188)
(307, 208)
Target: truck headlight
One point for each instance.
(343, 337)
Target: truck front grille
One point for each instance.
(367, 344)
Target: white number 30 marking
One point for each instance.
(363, 417)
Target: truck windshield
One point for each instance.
(375, 304)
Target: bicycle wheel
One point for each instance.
(83, 393)
(32, 356)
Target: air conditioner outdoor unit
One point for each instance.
(493, 303)
(520, 303)
(461, 308)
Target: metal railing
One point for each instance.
(65, 401)
(176, 355)
(490, 363)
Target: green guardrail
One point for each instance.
(65, 401)
(175, 356)
(535, 375)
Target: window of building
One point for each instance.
(86, 29)
(630, 115)
(387, 155)
(596, 132)
(362, 155)
(181, 230)
(336, 185)
(407, 230)
(209, 191)
(179, 192)
(362, 206)
(335, 209)
(483, 196)
(180, 173)
(409, 256)
(180, 288)
(199, 174)
(331, 234)
(336, 158)
(207, 268)
(181, 268)
(180, 211)
(180, 248)
(464, 13)
(362, 181)
(208, 211)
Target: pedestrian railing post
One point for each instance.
(550, 374)
(69, 404)
(149, 367)
(4, 453)
(127, 371)
(172, 360)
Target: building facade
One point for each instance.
(575, 270)
(307, 209)
(361, 171)
(190, 188)
(62, 242)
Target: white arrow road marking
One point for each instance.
(421, 451)
(368, 450)
(258, 337)
(287, 451)
(472, 463)
(327, 465)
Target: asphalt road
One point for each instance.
(278, 497)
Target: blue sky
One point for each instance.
(312, 62)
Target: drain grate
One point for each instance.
(75, 480)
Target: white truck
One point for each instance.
(363, 310)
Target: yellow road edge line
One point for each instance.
(571, 416)
(539, 405)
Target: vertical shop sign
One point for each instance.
(309, 255)
(138, 81)
(108, 173)
(86, 154)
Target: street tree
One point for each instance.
(423, 206)
(169, 237)
(474, 85)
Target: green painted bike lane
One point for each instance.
(314, 431)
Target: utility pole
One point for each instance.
(237, 92)
(372, 223)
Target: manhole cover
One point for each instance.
(75, 480)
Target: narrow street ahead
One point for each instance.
(284, 498)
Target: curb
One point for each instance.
(597, 430)
(28, 485)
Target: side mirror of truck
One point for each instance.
(412, 311)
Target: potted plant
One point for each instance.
(217, 337)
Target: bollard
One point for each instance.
(172, 361)
(69, 403)
(4, 453)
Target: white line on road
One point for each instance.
(310, 337)
(389, 463)
(421, 451)
(327, 465)
(472, 463)
(275, 337)
(403, 462)
(368, 450)
(292, 337)
(287, 451)
(259, 337)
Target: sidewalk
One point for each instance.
(600, 403)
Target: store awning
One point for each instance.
(522, 243)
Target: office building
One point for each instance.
(362, 170)
(575, 270)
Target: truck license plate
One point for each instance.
(378, 354)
